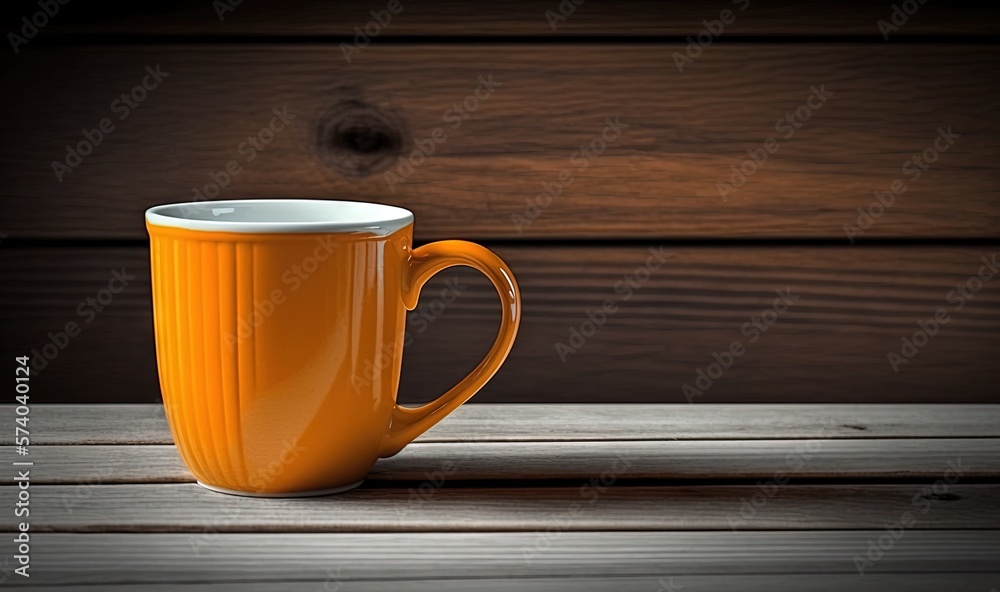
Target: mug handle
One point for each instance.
(424, 262)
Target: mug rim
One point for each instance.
(297, 216)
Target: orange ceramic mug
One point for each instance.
(279, 336)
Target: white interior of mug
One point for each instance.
(281, 216)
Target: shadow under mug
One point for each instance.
(279, 337)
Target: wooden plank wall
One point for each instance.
(862, 109)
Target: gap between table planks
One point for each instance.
(550, 453)
(147, 424)
(176, 536)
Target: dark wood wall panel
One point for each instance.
(854, 307)
(525, 17)
(658, 179)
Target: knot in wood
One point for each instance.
(358, 139)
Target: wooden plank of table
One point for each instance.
(922, 582)
(659, 178)
(541, 18)
(471, 558)
(854, 306)
(184, 507)
(471, 461)
(146, 424)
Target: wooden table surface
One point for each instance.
(537, 497)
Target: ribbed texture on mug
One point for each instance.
(206, 368)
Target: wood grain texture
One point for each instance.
(673, 460)
(587, 506)
(483, 422)
(520, 17)
(924, 582)
(854, 306)
(659, 178)
(473, 557)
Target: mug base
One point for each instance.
(313, 493)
